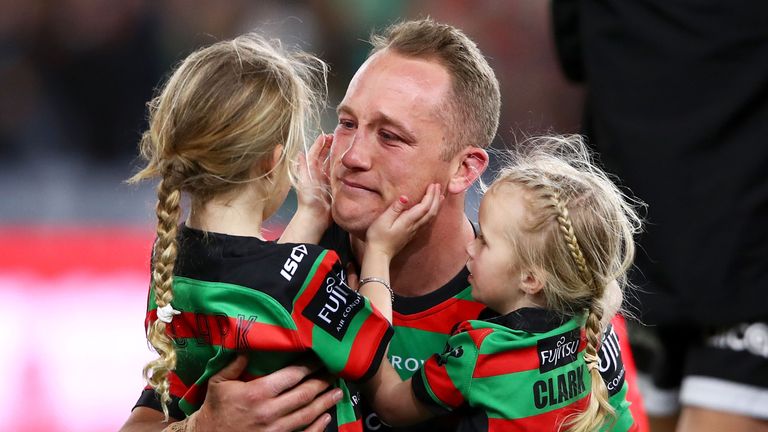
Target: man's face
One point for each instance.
(389, 138)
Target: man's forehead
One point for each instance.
(403, 76)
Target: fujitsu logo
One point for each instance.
(563, 349)
(559, 350)
(292, 263)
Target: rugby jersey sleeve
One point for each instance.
(339, 325)
(444, 382)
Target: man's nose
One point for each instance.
(357, 155)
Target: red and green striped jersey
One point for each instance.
(521, 371)
(422, 325)
(275, 302)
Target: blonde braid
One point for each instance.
(168, 213)
(578, 230)
(566, 228)
(598, 408)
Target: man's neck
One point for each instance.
(433, 257)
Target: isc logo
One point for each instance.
(292, 263)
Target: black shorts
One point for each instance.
(722, 369)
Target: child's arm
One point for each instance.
(313, 213)
(392, 398)
(385, 237)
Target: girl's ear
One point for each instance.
(531, 282)
(277, 153)
(467, 165)
(268, 163)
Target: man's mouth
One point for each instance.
(356, 186)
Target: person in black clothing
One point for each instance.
(677, 106)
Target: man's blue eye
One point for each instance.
(388, 136)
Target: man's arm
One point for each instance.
(282, 400)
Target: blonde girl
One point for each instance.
(225, 131)
(555, 231)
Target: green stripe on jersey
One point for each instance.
(620, 404)
(219, 298)
(345, 413)
(310, 275)
(533, 392)
(411, 347)
(335, 359)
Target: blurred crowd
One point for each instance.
(76, 75)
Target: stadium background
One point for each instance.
(75, 239)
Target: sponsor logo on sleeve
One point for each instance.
(610, 365)
(292, 263)
(334, 306)
(559, 350)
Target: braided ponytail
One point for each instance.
(164, 258)
(598, 408)
(578, 230)
(213, 130)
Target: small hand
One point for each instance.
(312, 189)
(394, 228)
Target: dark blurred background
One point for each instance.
(76, 75)
(74, 238)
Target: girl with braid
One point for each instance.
(225, 131)
(555, 231)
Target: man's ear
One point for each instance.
(531, 282)
(467, 165)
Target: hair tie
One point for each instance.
(592, 361)
(166, 313)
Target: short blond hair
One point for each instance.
(475, 102)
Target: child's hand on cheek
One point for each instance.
(312, 190)
(394, 228)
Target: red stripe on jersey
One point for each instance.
(196, 394)
(177, 386)
(325, 266)
(551, 420)
(234, 333)
(637, 407)
(150, 318)
(477, 335)
(508, 362)
(512, 361)
(440, 318)
(364, 346)
(355, 426)
(442, 384)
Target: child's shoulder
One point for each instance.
(302, 260)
